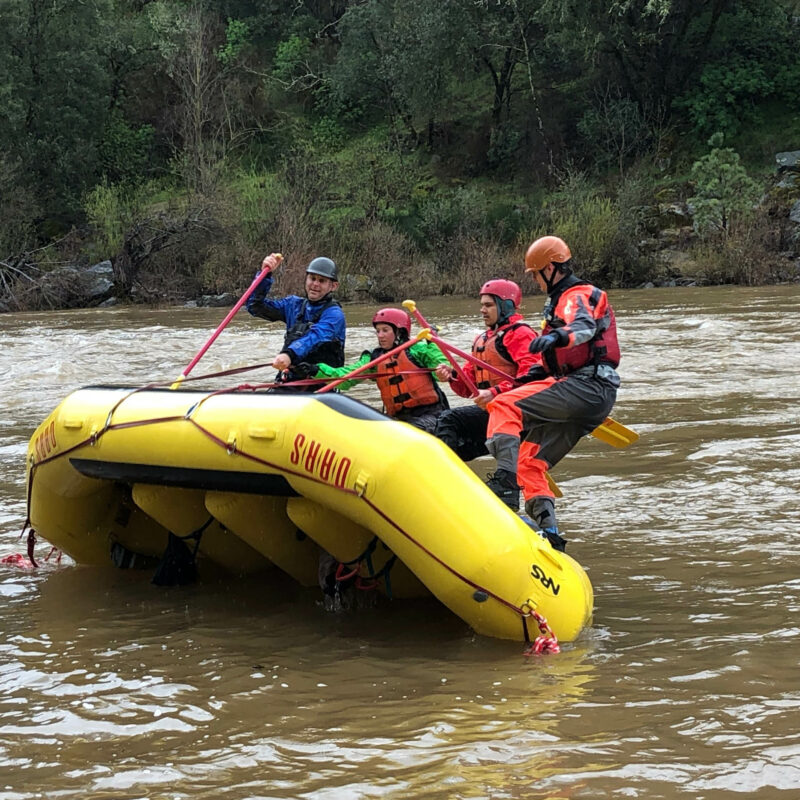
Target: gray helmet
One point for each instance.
(324, 267)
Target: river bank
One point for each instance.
(642, 235)
(80, 287)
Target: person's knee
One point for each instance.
(446, 430)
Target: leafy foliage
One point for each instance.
(753, 60)
(442, 128)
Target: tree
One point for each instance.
(54, 97)
(401, 54)
(723, 190)
(201, 57)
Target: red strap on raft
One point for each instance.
(341, 575)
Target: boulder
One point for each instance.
(674, 215)
(789, 160)
(97, 282)
(217, 300)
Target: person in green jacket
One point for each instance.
(405, 381)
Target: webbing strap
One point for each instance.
(196, 535)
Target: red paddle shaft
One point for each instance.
(242, 300)
(375, 361)
(411, 306)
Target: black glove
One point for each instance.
(302, 370)
(547, 342)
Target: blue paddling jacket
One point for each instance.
(315, 332)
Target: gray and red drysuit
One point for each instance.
(572, 392)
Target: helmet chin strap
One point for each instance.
(558, 270)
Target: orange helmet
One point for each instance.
(399, 319)
(503, 290)
(544, 251)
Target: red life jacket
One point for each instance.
(602, 348)
(400, 392)
(489, 348)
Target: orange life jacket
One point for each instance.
(399, 391)
(603, 348)
(489, 348)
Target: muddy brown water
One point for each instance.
(687, 684)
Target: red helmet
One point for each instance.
(504, 290)
(399, 319)
(544, 251)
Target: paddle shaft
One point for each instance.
(472, 359)
(411, 306)
(610, 431)
(230, 315)
(375, 361)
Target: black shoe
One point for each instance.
(557, 542)
(504, 485)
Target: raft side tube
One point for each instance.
(389, 478)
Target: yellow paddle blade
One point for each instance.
(553, 486)
(615, 433)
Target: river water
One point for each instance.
(685, 686)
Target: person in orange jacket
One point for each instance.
(504, 344)
(406, 380)
(570, 392)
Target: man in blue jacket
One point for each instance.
(315, 324)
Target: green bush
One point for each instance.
(747, 256)
(753, 59)
(448, 219)
(111, 208)
(585, 219)
(125, 149)
(602, 231)
(724, 193)
(253, 204)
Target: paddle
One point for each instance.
(242, 300)
(609, 431)
(411, 307)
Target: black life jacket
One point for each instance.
(331, 353)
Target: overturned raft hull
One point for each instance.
(272, 478)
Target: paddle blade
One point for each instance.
(615, 433)
(553, 486)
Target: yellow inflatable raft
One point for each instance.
(271, 478)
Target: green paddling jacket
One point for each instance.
(407, 393)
